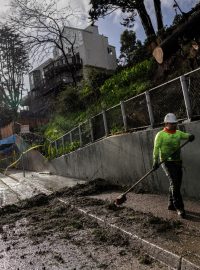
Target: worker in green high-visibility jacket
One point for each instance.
(167, 141)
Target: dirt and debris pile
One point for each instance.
(38, 200)
(145, 225)
(8, 209)
(110, 237)
(55, 233)
(95, 186)
(46, 219)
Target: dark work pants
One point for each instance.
(173, 170)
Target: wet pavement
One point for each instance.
(41, 233)
(15, 187)
(54, 253)
(184, 240)
(33, 239)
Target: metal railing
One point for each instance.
(147, 110)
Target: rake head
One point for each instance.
(120, 200)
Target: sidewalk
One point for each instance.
(157, 205)
(182, 237)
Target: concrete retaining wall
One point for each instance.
(125, 158)
(35, 161)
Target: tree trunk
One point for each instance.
(187, 30)
(158, 11)
(145, 19)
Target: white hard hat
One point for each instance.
(170, 118)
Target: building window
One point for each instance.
(110, 51)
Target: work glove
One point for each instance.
(191, 138)
(155, 166)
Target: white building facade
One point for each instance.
(93, 48)
(85, 50)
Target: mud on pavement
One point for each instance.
(43, 233)
(170, 234)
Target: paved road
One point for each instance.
(59, 254)
(16, 187)
(19, 251)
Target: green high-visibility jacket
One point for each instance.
(166, 143)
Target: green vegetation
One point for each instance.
(132, 51)
(53, 153)
(101, 91)
(58, 126)
(116, 130)
(127, 83)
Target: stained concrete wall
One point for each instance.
(125, 158)
(32, 160)
(35, 161)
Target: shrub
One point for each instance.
(53, 153)
(127, 83)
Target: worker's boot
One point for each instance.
(181, 213)
(171, 207)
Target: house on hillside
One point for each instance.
(91, 51)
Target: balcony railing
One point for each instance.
(61, 65)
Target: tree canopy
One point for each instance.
(42, 26)
(132, 51)
(101, 8)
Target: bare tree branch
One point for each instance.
(13, 66)
(42, 27)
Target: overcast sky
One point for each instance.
(110, 26)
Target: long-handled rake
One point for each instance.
(122, 198)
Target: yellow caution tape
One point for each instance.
(14, 163)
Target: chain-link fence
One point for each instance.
(168, 98)
(114, 120)
(59, 143)
(67, 139)
(75, 134)
(180, 96)
(193, 85)
(137, 112)
(98, 127)
(85, 129)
